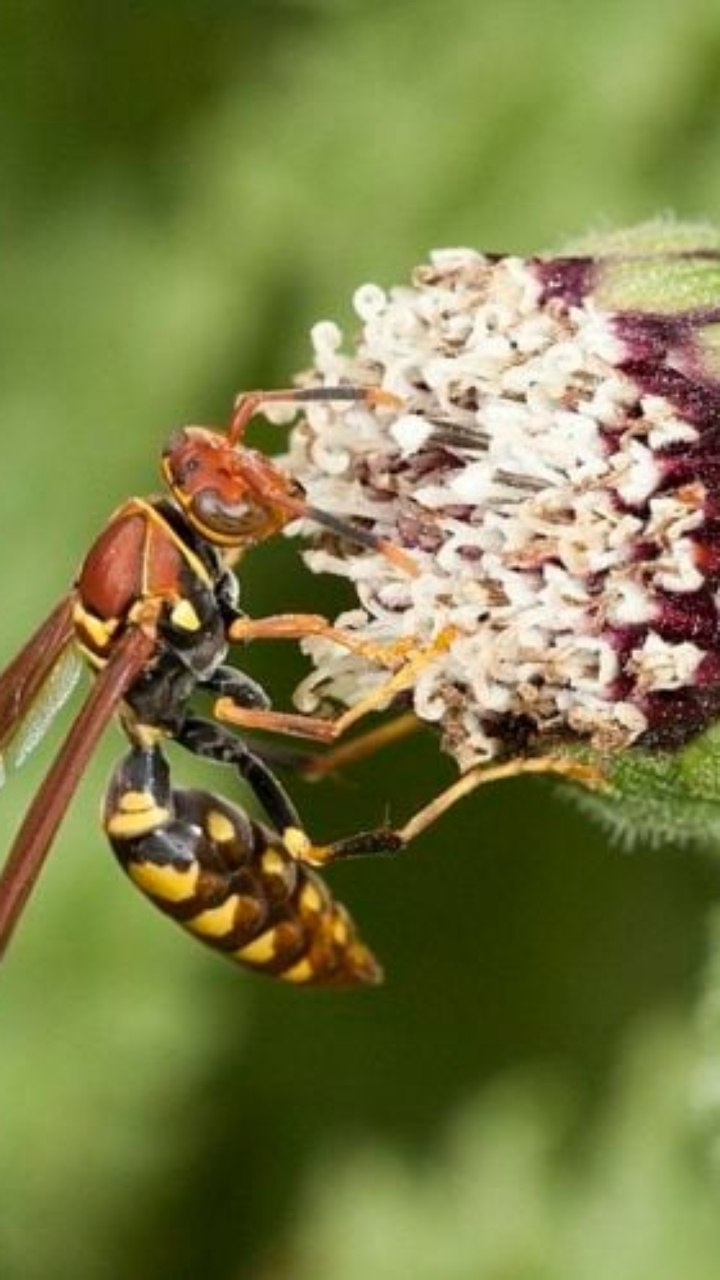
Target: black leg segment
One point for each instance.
(211, 742)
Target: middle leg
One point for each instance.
(407, 659)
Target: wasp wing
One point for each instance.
(33, 726)
(36, 684)
(47, 810)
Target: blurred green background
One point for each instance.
(186, 187)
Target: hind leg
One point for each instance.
(211, 742)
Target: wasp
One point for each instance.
(153, 611)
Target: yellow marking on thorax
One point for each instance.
(173, 884)
(260, 950)
(100, 631)
(219, 827)
(302, 971)
(296, 842)
(137, 822)
(215, 922)
(185, 617)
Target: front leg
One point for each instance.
(407, 658)
(299, 626)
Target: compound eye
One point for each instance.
(181, 459)
(215, 513)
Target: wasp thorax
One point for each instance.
(555, 474)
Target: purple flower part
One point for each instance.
(569, 279)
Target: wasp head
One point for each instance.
(233, 496)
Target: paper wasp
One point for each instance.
(153, 610)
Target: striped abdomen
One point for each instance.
(232, 883)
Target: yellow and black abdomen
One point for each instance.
(228, 880)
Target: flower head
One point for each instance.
(555, 473)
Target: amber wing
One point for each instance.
(34, 838)
(23, 681)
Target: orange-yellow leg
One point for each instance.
(365, 744)
(250, 403)
(572, 770)
(297, 626)
(388, 840)
(315, 728)
(323, 730)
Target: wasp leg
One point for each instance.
(413, 660)
(317, 727)
(246, 694)
(298, 626)
(211, 742)
(250, 403)
(395, 840)
(240, 688)
(294, 725)
(573, 770)
(378, 841)
(229, 881)
(312, 768)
